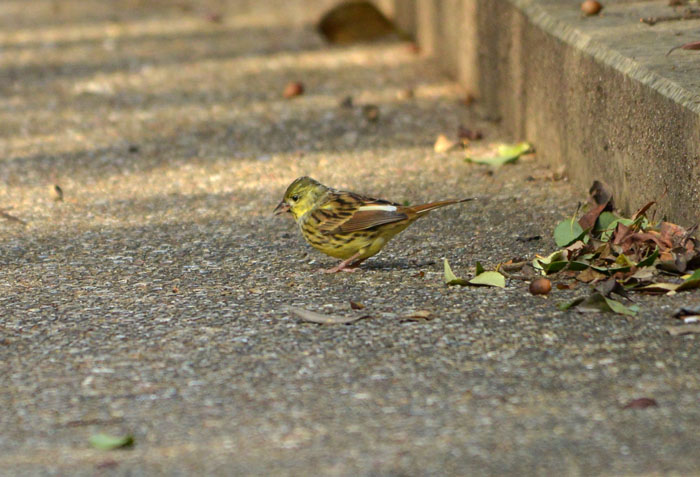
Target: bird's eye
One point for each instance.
(295, 197)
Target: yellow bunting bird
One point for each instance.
(347, 225)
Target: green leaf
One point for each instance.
(479, 268)
(451, 278)
(518, 149)
(619, 308)
(556, 262)
(605, 219)
(557, 256)
(553, 267)
(567, 232)
(649, 261)
(642, 275)
(624, 261)
(492, 161)
(594, 302)
(491, 279)
(691, 282)
(610, 270)
(610, 229)
(660, 287)
(540, 263)
(506, 153)
(622, 264)
(570, 304)
(578, 266)
(597, 302)
(106, 442)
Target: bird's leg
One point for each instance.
(345, 265)
(357, 263)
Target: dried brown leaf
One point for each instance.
(693, 45)
(639, 238)
(600, 193)
(469, 134)
(672, 234)
(645, 273)
(370, 112)
(443, 144)
(574, 250)
(587, 221)
(683, 329)
(621, 233)
(667, 256)
(107, 464)
(11, 218)
(418, 315)
(352, 22)
(313, 317)
(640, 403)
(57, 193)
(678, 264)
(589, 275)
(605, 252)
(356, 306)
(643, 210)
(610, 286)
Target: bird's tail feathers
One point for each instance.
(425, 208)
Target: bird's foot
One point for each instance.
(338, 268)
(348, 265)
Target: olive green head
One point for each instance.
(301, 196)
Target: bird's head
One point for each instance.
(300, 197)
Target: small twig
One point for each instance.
(511, 267)
(688, 234)
(687, 15)
(92, 422)
(11, 218)
(504, 268)
(513, 276)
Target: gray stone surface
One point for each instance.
(151, 300)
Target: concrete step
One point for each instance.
(598, 94)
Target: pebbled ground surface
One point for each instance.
(152, 299)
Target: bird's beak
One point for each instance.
(281, 208)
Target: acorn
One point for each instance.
(294, 88)
(591, 7)
(540, 286)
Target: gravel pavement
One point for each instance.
(152, 299)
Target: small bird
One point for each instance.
(347, 225)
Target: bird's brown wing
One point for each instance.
(345, 212)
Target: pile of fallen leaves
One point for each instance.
(618, 255)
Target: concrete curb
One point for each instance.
(597, 94)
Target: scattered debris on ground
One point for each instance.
(617, 254)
